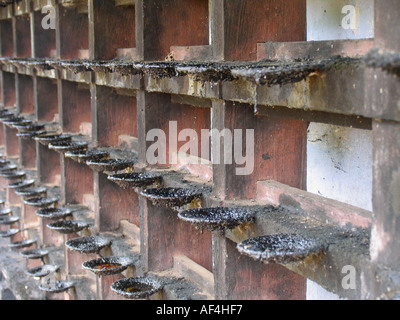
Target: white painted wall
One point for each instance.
(339, 166)
(324, 19)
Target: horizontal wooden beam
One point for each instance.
(340, 88)
(313, 49)
(313, 205)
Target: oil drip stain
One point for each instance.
(266, 156)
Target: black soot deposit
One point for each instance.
(280, 248)
(41, 202)
(135, 179)
(136, 288)
(108, 265)
(218, 218)
(31, 192)
(9, 233)
(22, 184)
(23, 243)
(171, 197)
(42, 271)
(13, 174)
(82, 156)
(90, 244)
(47, 138)
(54, 213)
(110, 165)
(56, 286)
(68, 226)
(35, 253)
(5, 212)
(387, 61)
(65, 146)
(8, 220)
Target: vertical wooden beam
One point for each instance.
(163, 235)
(236, 277)
(217, 37)
(141, 98)
(139, 29)
(112, 116)
(32, 34)
(1, 89)
(382, 277)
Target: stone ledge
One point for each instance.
(15, 279)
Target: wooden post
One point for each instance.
(381, 279)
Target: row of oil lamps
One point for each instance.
(281, 248)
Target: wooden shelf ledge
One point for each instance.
(313, 49)
(316, 207)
